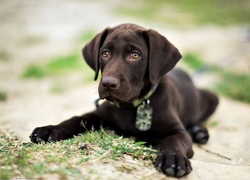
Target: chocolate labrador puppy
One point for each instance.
(145, 97)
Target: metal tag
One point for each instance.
(144, 117)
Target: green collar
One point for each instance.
(134, 104)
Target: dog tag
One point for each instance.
(144, 117)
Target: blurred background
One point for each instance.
(44, 79)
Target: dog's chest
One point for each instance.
(134, 121)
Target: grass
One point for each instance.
(231, 84)
(3, 96)
(193, 61)
(235, 85)
(69, 158)
(218, 12)
(87, 35)
(58, 88)
(59, 66)
(35, 39)
(54, 67)
(4, 56)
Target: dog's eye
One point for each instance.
(105, 54)
(135, 55)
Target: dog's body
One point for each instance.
(134, 63)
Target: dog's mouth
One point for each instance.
(117, 100)
(113, 99)
(118, 96)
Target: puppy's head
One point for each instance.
(131, 60)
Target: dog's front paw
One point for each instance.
(47, 134)
(173, 164)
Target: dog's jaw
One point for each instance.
(117, 100)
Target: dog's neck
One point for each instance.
(139, 101)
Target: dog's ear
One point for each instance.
(162, 55)
(91, 51)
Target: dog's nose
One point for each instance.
(110, 83)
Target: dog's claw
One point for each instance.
(175, 164)
(180, 172)
(50, 139)
(33, 137)
(170, 171)
(189, 169)
(39, 140)
(159, 167)
(47, 134)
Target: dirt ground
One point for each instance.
(56, 27)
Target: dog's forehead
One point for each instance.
(128, 33)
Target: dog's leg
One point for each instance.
(66, 129)
(209, 103)
(173, 155)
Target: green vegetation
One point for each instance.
(67, 158)
(58, 88)
(59, 66)
(177, 12)
(56, 66)
(34, 71)
(3, 96)
(231, 84)
(3, 55)
(88, 35)
(213, 123)
(34, 39)
(193, 61)
(235, 85)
